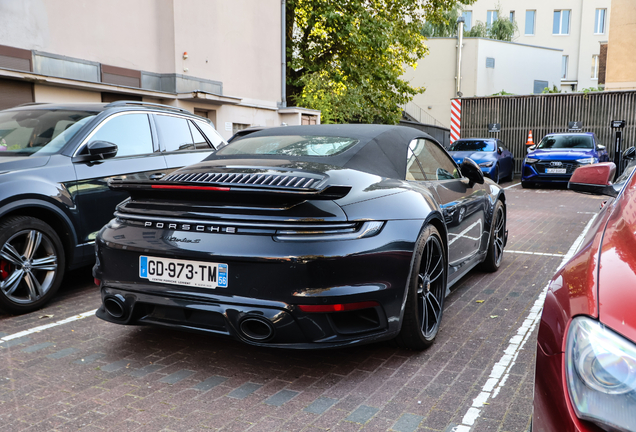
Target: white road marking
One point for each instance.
(463, 233)
(46, 326)
(534, 253)
(511, 186)
(501, 370)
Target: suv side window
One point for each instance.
(437, 165)
(131, 133)
(212, 135)
(174, 133)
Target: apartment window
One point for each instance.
(539, 86)
(468, 20)
(512, 16)
(595, 66)
(561, 22)
(529, 31)
(491, 17)
(564, 67)
(599, 21)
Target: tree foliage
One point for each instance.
(347, 57)
(501, 29)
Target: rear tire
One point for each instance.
(527, 185)
(426, 292)
(497, 238)
(31, 264)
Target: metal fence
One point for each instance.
(548, 113)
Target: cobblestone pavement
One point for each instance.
(90, 375)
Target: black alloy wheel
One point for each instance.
(425, 297)
(497, 239)
(31, 264)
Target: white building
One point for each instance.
(575, 26)
(488, 67)
(217, 58)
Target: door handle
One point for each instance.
(156, 176)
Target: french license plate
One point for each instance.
(556, 170)
(183, 272)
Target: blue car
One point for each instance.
(490, 154)
(556, 157)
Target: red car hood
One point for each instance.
(617, 270)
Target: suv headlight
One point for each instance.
(486, 164)
(531, 160)
(586, 161)
(601, 375)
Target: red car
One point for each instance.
(586, 349)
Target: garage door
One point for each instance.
(14, 93)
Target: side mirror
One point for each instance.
(499, 150)
(99, 150)
(600, 147)
(594, 179)
(531, 148)
(630, 153)
(471, 171)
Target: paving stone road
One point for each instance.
(90, 375)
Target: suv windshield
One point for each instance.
(566, 142)
(473, 145)
(28, 132)
(289, 145)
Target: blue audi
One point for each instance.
(490, 154)
(556, 157)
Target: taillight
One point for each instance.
(340, 307)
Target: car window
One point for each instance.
(472, 145)
(437, 165)
(566, 141)
(198, 138)
(38, 131)
(413, 170)
(131, 133)
(212, 135)
(174, 133)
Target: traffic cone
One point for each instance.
(530, 142)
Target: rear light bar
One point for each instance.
(341, 307)
(209, 188)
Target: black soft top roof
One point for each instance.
(381, 149)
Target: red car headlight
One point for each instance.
(601, 375)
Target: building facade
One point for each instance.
(219, 59)
(577, 27)
(620, 70)
(488, 66)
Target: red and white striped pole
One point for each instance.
(456, 120)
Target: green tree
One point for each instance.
(347, 57)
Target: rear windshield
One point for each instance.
(566, 142)
(37, 132)
(473, 145)
(289, 145)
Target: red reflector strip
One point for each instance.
(97, 281)
(338, 307)
(210, 188)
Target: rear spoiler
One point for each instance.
(210, 192)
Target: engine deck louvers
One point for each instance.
(279, 180)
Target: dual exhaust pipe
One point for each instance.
(251, 327)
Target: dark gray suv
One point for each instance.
(55, 161)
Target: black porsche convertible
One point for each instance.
(303, 237)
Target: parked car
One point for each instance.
(556, 157)
(55, 160)
(305, 236)
(585, 377)
(489, 153)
